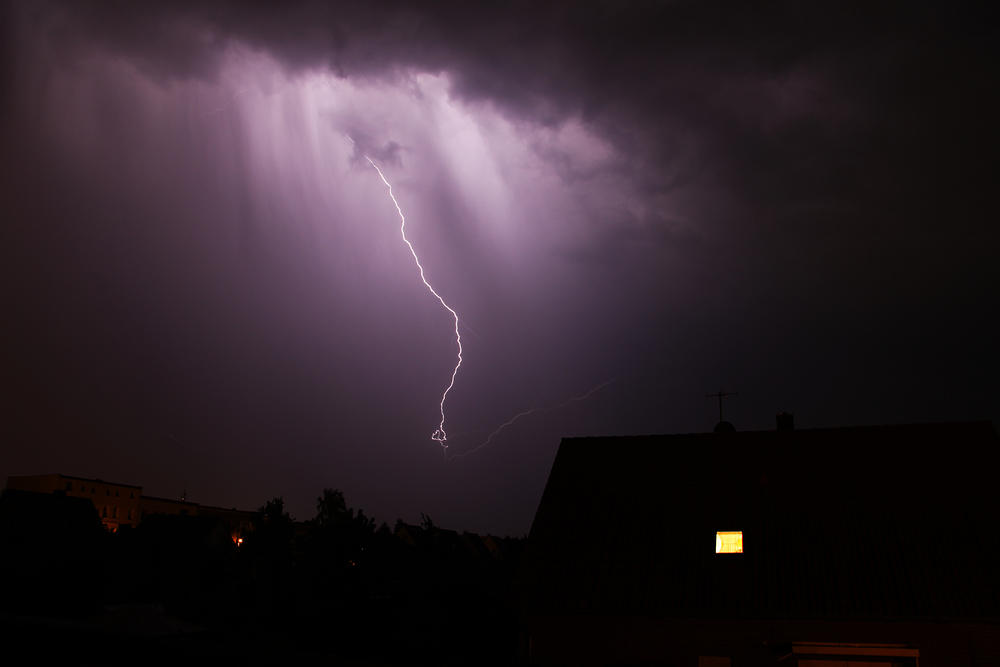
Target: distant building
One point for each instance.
(238, 522)
(869, 546)
(123, 505)
(117, 504)
(412, 535)
(151, 505)
(438, 540)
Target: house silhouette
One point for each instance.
(860, 546)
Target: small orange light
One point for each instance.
(239, 541)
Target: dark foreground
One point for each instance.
(333, 591)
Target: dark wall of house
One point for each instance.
(886, 522)
(621, 640)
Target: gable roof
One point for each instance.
(886, 521)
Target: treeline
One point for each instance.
(335, 585)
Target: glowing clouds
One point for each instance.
(262, 217)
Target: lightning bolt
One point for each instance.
(440, 435)
(530, 411)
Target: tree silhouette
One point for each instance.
(330, 507)
(269, 546)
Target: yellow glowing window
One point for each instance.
(729, 542)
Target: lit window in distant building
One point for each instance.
(105, 513)
(69, 486)
(729, 542)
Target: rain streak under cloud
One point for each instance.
(207, 281)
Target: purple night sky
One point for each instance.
(204, 283)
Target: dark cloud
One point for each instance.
(365, 147)
(794, 200)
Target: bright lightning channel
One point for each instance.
(440, 435)
(530, 411)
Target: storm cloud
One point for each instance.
(204, 282)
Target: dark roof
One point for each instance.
(478, 548)
(169, 500)
(229, 510)
(96, 481)
(885, 521)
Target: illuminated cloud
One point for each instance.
(791, 201)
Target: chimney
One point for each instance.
(786, 422)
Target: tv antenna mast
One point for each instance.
(723, 426)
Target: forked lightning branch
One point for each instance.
(440, 435)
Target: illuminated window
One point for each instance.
(729, 542)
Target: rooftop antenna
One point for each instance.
(723, 426)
